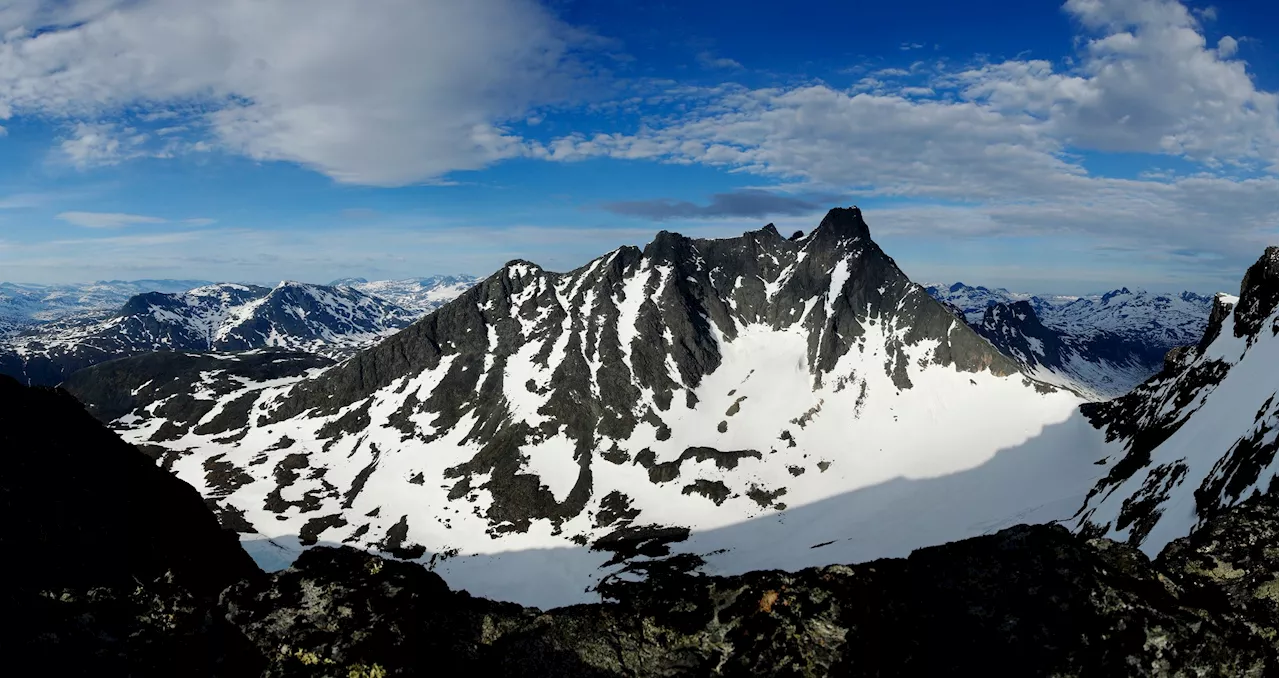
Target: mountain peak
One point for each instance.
(1020, 314)
(1258, 294)
(347, 282)
(1115, 293)
(843, 222)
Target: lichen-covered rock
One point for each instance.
(1230, 565)
(1028, 601)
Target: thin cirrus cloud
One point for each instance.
(118, 219)
(332, 85)
(746, 204)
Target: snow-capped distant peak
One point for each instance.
(420, 295)
(1114, 340)
(332, 321)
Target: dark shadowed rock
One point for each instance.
(112, 563)
(1259, 293)
(1029, 600)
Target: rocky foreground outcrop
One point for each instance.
(122, 571)
(112, 565)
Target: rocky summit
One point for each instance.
(640, 406)
(143, 583)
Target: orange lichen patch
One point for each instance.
(767, 601)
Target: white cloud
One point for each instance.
(1006, 148)
(107, 219)
(99, 144)
(710, 61)
(383, 93)
(1227, 47)
(1147, 82)
(25, 200)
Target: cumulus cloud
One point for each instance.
(101, 144)
(1147, 82)
(1227, 47)
(1004, 144)
(745, 203)
(383, 93)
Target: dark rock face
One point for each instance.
(117, 387)
(834, 283)
(1030, 600)
(1259, 294)
(88, 509)
(110, 557)
(704, 272)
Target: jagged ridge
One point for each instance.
(1199, 436)
(631, 404)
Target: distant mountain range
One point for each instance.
(1100, 346)
(55, 333)
(24, 304)
(419, 295)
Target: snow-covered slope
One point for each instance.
(23, 305)
(743, 403)
(1201, 435)
(1109, 343)
(420, 295)
(223, 317)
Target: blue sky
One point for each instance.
(1044, 147)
